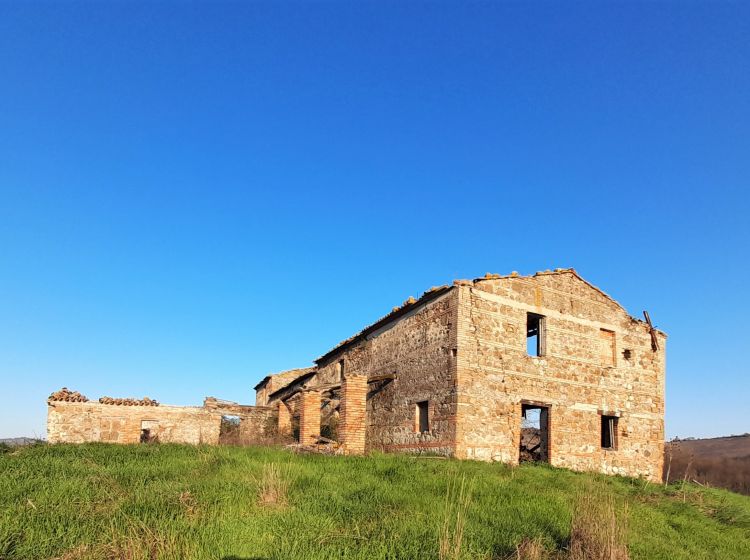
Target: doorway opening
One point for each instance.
(295, 427)
(534, 433)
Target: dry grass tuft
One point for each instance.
(188, 503)
(597, 531)
(457, 503)
(139, 543)
(530, 549)
(144, 543)
(80, 552)
(273, 485)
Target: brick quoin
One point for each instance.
(353, 409)
(309, 419)
(284, 420)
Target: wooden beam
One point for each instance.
(652, 332)
(328, 387)
(384, 377)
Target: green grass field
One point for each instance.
(170, 501)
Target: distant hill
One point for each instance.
(722, 461)
(730, 446)
(17, 441)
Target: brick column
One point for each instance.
(309, 417)
(353, 408)
(285, 420)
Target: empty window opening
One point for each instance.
(534, 433)
(609, 432)
(229, 430)
(340, 367)
(422, 423)
(149, 431)
(535, 335)
(607, 347)
(329, 427)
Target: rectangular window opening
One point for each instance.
(608, 353)
(422, 423)
(609, 432)
(341, 370)
(535, 334)
(149, 431)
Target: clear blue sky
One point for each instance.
(192, 196)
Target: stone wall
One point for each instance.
(262, 391)
(416, 350)
(258, 424)
(284, 420)
(580, 376)
(80, 422)
(275, 381)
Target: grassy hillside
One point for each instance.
(168, 501)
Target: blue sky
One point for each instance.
(194, 195)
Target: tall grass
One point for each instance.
(530, 549)
(599, 528)
(273, 485)
(457, 503)
(598, 531)
(149, 502)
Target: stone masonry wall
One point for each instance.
(275, 381)
(258, 424)
(261, 394)
(80, 422)
(284, 419)
(418, 349)
(580, 376)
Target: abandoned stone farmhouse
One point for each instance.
(500, 368)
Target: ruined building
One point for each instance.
(500, 368)
(73, 418)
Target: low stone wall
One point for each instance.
(89, 421)
(80, 422)
(258, 424)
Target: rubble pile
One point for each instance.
(322, 446)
